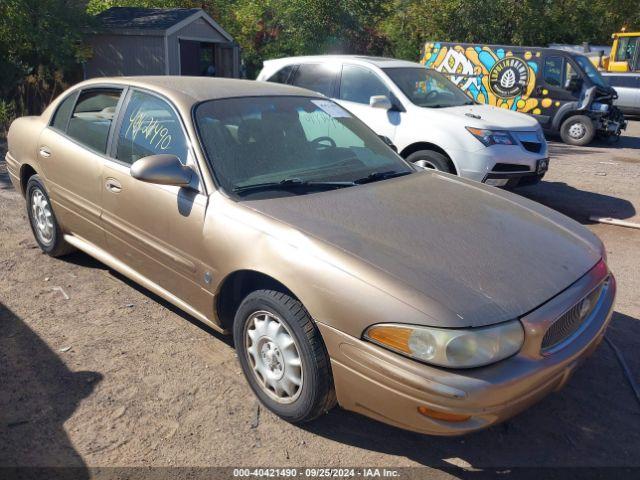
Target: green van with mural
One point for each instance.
(561, 89)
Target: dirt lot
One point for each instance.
(115, 376)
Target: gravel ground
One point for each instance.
(115, 376)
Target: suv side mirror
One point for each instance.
(574, 83)
(380, 101)
(163, 170)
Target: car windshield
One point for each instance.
(428, 88)
(287, 143)
(591, 71)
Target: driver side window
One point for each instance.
(359, 84)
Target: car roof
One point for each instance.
(192, 90)
(381, 62)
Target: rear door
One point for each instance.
(317, 77)
(72, 150)
(356, 87)
(155, 229)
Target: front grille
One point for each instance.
(531, 141)
(509, 167)
(569, 323)
(534, 147)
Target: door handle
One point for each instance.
(113, 185)
(45, 152)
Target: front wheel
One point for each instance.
(577, 130)
(432, 160)
(283, 356)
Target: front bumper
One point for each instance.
(388, 387)
(517, 178)
(477, 165)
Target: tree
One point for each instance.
(41, 46)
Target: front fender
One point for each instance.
(238, 238)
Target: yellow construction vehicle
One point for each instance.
(625, 53)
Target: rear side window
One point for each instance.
(150, 127)
(316, 77)
(92, 117)
(282, 75)
(61, 117)
(359, 84)
(553, 71)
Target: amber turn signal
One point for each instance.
(447, 417)
(396, 338)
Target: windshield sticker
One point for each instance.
(154, 133)
(333, 109)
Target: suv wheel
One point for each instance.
(283, 356)
(432, 160)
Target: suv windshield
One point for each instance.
(274, 146)
(588, 68)
(427, 88)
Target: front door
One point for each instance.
(552, 90)
(156, 229)
(72, 151)
(357, 85)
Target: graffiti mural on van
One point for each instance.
(491, 76)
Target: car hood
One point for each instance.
(487, 116)
(482, 254)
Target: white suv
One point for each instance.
(430, 120)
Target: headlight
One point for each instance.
(599, 107)
(491, 137)
(454, 348)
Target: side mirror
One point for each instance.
(163, 170)
(380, 101)
(574, 83)
(389, 143)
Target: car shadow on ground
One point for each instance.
(38, 394)
(585, 424)
(577, 204)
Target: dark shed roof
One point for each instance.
(143, 18)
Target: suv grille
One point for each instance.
(531, 141)
(569, 323)
(509, 167)
(534, 147)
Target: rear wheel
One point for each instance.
(577, 130)
(283, 356)
(43, 221)
(431, 159)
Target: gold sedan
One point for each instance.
(344, 273)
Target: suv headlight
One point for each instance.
(491, 137)
(447, 347)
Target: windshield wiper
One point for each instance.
(375, 176)
(291, 184)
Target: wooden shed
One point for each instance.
(156, 41)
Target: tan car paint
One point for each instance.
(183, 245)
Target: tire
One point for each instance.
(42, 219)
(577, 130)
(431, 159)
(274, 356)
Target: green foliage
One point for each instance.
(41, 41)
(40, 46)
(512, 22)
